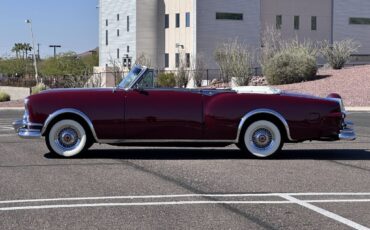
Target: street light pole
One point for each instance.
(28, 21)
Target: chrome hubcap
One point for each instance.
(67, 138)
(262, 138)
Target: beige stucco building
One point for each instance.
(168, 31)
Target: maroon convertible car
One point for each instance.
(259, 120)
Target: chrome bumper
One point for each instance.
(27, 130)
(347, 133)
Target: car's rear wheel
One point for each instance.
(262, 139)
(67, 138)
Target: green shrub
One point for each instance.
(166, 80)
(339, 52)
(38, 88)
(4, 97)
(290, 66)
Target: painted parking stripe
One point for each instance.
(324, 212)
(180, 196)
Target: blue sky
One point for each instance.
(73, 24)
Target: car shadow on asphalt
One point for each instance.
(216, 154)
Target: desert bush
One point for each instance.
(338, 54)
(290, 66)
(235, 62)
(200, 68)
(4, 96)
(38, 88)
(183, 74)
(166, 80)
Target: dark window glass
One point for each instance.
(128, 23)
(106, 37)
(187, 17)
(117, 17)
(117, 33)
(166, 60)
(279, 21)
(296, 22)
(313, 23)
(229, 16)
(187, 60)
(106, 22)
(117, 53)
(359, 21)
(128, 49)
(177, 20)
(177, 60)
(166, 21)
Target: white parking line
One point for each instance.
(288, 199)
(324, 212)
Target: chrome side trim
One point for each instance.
(263, 111)
(134, 141)
(73, 111)
(29, 133)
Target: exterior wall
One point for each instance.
(211, 32)
(182, 35)
(108, 11)
(343, 10)
(147, 29)
(322, 9)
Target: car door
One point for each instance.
(162, 114)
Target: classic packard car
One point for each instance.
(259, 120)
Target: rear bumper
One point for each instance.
(347, 133)
(27, 130)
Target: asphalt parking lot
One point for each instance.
(313, 185)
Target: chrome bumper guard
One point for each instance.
(347, 133)
(27, 130)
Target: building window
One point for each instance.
(106, 37)
(296, 22)
(177, 20)
(117, 53)
(106, 22)
(117, 17)
(166, 60)
(187, 56)
(229, 16)
(359, 21)
(313, 23)
(279, 21)
(166, 21)
(128, 49)
(128, 23)
(177, 58)
(117, 33)
(187, 19)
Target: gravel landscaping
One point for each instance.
(352, 83)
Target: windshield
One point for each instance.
(131, 76)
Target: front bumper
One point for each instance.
(27, 130)
(347, 133)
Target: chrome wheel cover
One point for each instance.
(67, 138)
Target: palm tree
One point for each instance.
(17, 48)
(27, 47)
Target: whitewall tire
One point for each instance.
(262, 139)
(66, 138)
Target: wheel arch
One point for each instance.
(267, 114)
(69, 113)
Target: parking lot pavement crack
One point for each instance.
(191, 189)
(349, 165)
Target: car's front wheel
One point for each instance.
(262, 139)
(67, 138)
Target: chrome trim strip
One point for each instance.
(263, 111)
(73, 111)
(134, 141)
